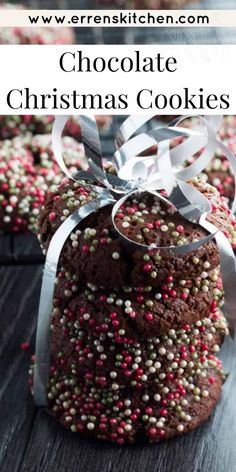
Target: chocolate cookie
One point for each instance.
(219, 175)
(26, 125)
(73, 129)
(102, 359)
(97, 254)
(27, 170)
(124, 415)
(141, 311)
(218, 172)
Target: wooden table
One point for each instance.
(30, 441)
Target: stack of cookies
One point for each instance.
(134, 331)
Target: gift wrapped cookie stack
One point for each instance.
(134, 330)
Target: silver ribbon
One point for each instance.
(135, 173)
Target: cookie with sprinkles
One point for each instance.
(102, 358)
(26, 125)
(72, 127)
(45, 164)
(124, 415)
(16, 125)
(127, 312)
(97, 254)
(27, 170)
(218, 172)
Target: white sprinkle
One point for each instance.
(127, 402)
(157, 397)
(9, 209)
(115, 256)
(162, 351)
(159, 424)
(206, 265)
(180, 427)
(113, 375)
(100, 348)
(170, 356)
(145, 398)
(152, 419)
(90, 426)
(188, 418)
(164, 228)
(73, 237)
(127, 427)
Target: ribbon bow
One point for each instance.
(162, 170)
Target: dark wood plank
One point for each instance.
(18, 310)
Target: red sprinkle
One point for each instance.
(85, 248)
(24, 346)
(211, 380)
(152, 431)
(52, 216)
(149, 316)
(147, 267)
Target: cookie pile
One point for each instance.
(134, 331)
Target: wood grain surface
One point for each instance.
(30, 441)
